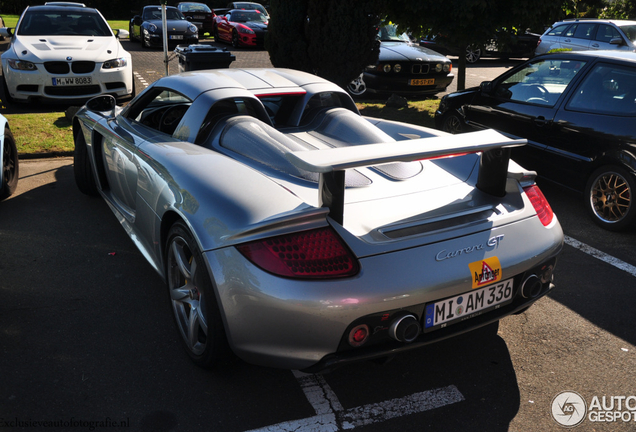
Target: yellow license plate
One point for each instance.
(418, 82)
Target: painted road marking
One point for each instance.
(141, 79)
(332, 417)
(601, 255)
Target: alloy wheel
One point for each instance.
(188, 301)
(610, 197)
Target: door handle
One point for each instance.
(568, 40)
(541, 121)
(595, 45)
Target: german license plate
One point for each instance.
(176, 36)
(70, 81)
(421, 82)
(467, 305)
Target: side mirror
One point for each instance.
(121, 33)
(6, 32)
(102, 104)
(137, 20)
(617, 41)
(486, 87)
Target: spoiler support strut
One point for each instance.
(332, 163)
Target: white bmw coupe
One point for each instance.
(64, 52)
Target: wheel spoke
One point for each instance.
(181, 260)
(179, 294)
(196, 322)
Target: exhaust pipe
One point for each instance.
(531, 287)
(405, 329)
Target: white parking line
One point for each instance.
(601, 255)
(141, 79)
(332, 417)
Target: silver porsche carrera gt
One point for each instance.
(295, 233)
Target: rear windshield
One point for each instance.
(63, 23)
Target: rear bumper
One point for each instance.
(305, 324)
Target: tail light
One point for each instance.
(314, 254)
(540, 204)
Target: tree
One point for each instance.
(335, 39)
(468, 22)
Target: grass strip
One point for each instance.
(46, 133)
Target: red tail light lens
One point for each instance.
(315, 254)
(540, 204)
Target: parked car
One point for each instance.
(64, 53)
(297, 234)
(578, 112)
(241, 28)
(200, 15)
(249, 6)
(8, 160)
(403, 68)
(502, 45)
(589, 34)
(147, 27)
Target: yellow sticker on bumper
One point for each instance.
(485, 272)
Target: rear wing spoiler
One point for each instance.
(332, 163)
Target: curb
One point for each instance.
(31, 156)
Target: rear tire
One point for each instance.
(10, 165)
(473, 54)
(453, 123)
(357, 87)
(84, 178)
(609, 198)
(195, 308)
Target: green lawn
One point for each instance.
(41, 133)
(52, 132)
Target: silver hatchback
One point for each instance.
(594, 34)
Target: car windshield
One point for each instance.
(172, 13)
(194, 7)
(254, 6)
(541, 82)
(388, 33)
(248, 16)
(630, 31)
(63, 23)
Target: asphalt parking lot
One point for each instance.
(88, 342)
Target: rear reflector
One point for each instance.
(540, 204)
(315, 254)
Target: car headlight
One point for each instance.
(397, 68)
(193, 28)
(114, 63)
(448, 67)
(152, 28)
(22, 65)
(245, 30)
(438, 67)
(386, 68)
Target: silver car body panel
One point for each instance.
(414, 238)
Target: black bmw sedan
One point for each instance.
(578, 112)
(403, 68)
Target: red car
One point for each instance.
(241, 28)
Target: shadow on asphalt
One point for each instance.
(86, 331)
